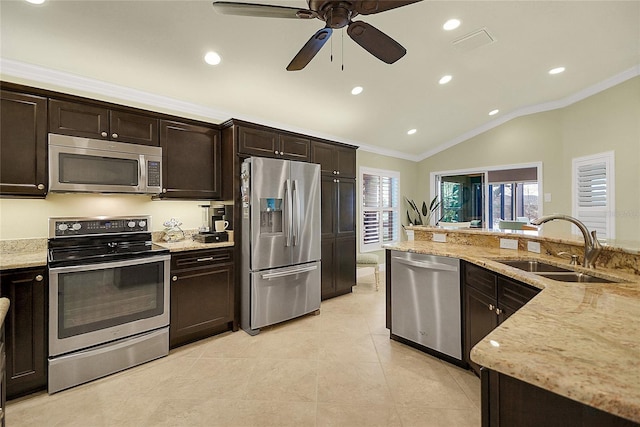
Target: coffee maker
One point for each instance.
(207, 231)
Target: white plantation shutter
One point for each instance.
(593, 193)
(379, 208)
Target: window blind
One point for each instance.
(380, 201)
(593, 193)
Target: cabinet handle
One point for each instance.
(209, 258)
(115, 135)
(337, 172)
(498, 311)
(103, 134)
(39, 278)
(174, 278)
(40, 186)
(164, 190)
(492, 307)
(334, 172)
(276, 152)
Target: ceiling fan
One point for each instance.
(336, 14)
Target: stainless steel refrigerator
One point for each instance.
(280, 241)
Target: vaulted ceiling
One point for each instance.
(499, 58)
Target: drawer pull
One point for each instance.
(491, 307)
(174, 278)
(39, 278)
(498, 311)
(209, 258)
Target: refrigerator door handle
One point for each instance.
(287, 213)
(278, 274)
(296, 212)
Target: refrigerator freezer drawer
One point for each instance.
(284, 293)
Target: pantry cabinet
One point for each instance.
(489, 299)
(23, 144)
(25, 330)
(202, 295)
(98, 122)
(190, 161)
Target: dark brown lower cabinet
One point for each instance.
(338, 266)
(508, 402)
(202, 295)
(25, 330)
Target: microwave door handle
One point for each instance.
(142, 173)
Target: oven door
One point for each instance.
(94, 304)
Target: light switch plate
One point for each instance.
(533, 247)
(439, 237)
(509, 244)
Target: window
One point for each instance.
(593, 192)
(513, 195)
(379, 201)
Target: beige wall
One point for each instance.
(609, 120)
(409, 186)
(28, 218)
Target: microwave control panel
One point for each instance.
(153, 174)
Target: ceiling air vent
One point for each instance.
(474, 40)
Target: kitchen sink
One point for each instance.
(554, 272)
(574, 276)
(535, 266)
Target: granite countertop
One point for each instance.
(191, 245)
(579, 340)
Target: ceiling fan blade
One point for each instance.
(368, 7)
(310, 49)
(376, 42)
(262, 10)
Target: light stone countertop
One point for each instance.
(578, 340)
(23, 253)
(192, 245)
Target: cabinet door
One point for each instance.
(134, 128)
(327, 275)
(345, 158)
(23, 144)
(190, 161)
(201, 301)
(76, 119)
(257, 142)
(346, 210)
(25, 330)
(322, 154)
(345, 260)
(294, 148)
(480, 319)
(328, 209)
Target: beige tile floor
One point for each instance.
(336, 369)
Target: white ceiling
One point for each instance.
(157, 47)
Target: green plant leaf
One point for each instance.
(424, 209)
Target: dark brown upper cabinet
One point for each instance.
(94, 121)
(23, 144)
(334, 159)
(190, 161)
(265, 142)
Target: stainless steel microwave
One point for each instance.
(95, 166)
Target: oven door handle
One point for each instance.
(107, 265)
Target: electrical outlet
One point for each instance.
(439, 237)
(533, 247)
(509, 244)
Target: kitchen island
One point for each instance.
(577, 340)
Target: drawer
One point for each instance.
(481, 279)
(201, 258)
(514, 294)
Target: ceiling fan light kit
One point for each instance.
(336, 14)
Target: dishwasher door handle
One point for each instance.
(426, 264)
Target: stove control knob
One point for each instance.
(62, 227)
(77, 226)
(131, 224)
(142, 223)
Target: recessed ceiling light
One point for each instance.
(412, 131)
(451, 24)
(356, 90)
(493, 112)
(557, 70)
(212, 58)
(36, 1)
(445, 79)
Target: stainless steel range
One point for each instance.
(108, 298)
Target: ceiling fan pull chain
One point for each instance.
(331, 41)
(342, 49)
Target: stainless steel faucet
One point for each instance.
(592, 247)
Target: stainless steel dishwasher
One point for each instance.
(426, 301)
